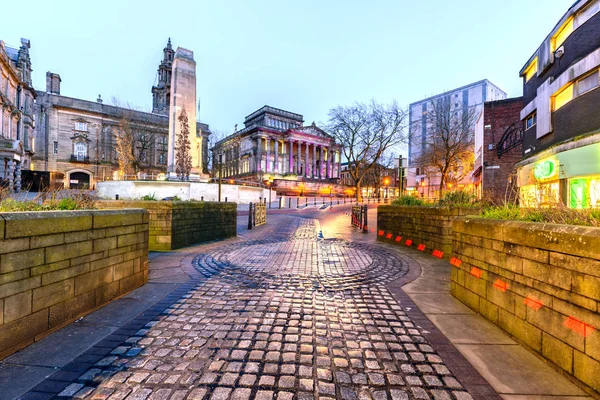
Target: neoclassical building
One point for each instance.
(75, 138)
(16, 113)
(275, 145)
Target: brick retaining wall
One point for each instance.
(57, 266)
(430, 226)
(176, 224)
(538, 282)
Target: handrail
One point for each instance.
(512, 137)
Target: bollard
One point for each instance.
(116, 197)
(280, 201)
(225, 199)
(366, 225)
(315, 201)
(250, 216)
(290, 202)
(201, 198)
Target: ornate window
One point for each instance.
(81, 126)
(162, 150)
(80, 151)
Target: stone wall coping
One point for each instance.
(438, 210)
(582, 241)
(36, 223)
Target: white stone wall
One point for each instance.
(184, 190)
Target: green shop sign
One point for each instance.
(544, 169)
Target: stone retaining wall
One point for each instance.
(57, 266)
(430, 226)
(538, 282)
(176, 224)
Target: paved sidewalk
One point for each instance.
(278, 313)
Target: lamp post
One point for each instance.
(269, 183)
(301, 186)
(386, 182)
(220, 159)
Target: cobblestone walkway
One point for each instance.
(290, 317)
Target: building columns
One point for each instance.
(291, 156)
(339, 171)
(276, 156)
(320, 162)
(306, 161)
(314, 163)
(258, 154)
(299, 147)
(328, 165)
(268, 161)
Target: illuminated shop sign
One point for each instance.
(544, 169)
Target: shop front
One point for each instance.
(571, 177)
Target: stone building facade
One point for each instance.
(275, 145)
(561, 113)
(16, 113)
(75, 138)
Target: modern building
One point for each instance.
(498, 148)
(75, 139)
(561, 113)
(466, 99)
(16, 113)
(275, 146)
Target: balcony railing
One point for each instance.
(79, 159)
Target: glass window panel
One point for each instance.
(563, 97)
(587, 83)
(588, 13)
(563, 34)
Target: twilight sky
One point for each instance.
(305, 56)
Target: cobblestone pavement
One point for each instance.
(286, 317)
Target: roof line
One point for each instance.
(456, 90)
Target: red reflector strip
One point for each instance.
(398, 239)
(456, 262)
(388, 236)
(438, 254)
(579, 327)
(381, 233)
(421, 247)
(408, 242)
(501, 285)
(533, 303)
(476, 272)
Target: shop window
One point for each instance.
(584, 192)
(540, 195)
(562, 98)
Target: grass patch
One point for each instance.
(557, 214)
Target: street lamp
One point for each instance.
(301, 186)
(269, 183)
(386, 182)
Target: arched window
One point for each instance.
(80, 151)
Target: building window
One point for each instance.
(80, 151)
(562, 98)
(588, 13)
(80, 126)
(588, 83)
(531, 70)
(563, 33)
(162, 150)
(55, 148)
(531, 120)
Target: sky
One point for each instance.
(304, 56)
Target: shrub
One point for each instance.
(459, 198)
(149, 197)
(557, 214)
(409, 201)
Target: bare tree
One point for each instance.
(367, 131)
(134, 142)
(449, 142)
(216, 136)
(183, 158)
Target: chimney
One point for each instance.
(53, 83)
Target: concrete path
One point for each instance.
(280, 313)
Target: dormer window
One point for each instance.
(80, 126)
